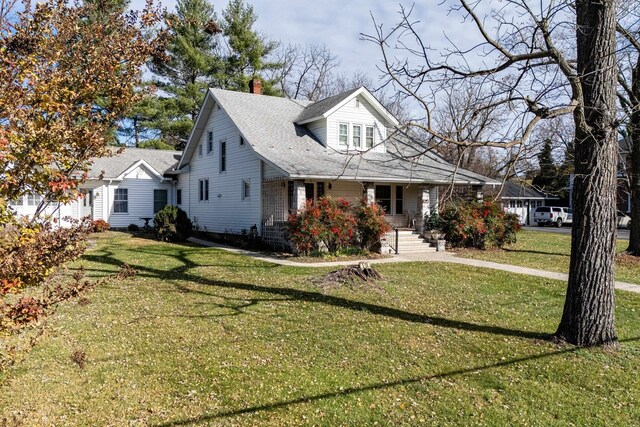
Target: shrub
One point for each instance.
(172, 224)
(100, 225)
(133, 227)
(337, 225)
(370, 223)
(478, 225)
(433, 222)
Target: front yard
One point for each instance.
(550, 251)
(201, 336)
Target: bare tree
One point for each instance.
(628, 28)
(525, 63)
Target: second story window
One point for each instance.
(200, 150)
(223, 156)
(357, 136)
(209, 142)
(343, 134)
(368, 137)
(203, 190)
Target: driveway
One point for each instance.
(623, 234)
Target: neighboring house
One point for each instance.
(253, 159)
(522, 200)
(122, 189)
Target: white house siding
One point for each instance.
(270, 172)
(226, 210)
(319, 130)
(183, 185)
(363, 115)
(98, 201)
(140, 185)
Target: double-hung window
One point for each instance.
(383, 197)
(33, 199)
(343, 134)
(121, 200)
(368, 137)
(200, 150)
(246, 189)
(203, 190)
(209, 142)
(179, 196)
(356, 136)
(160, 200)
(223, 156)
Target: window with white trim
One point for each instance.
(200, 150)
(121, 200)
(179, 196)
(209, 142)
(33, 199)
(203, 190)
(246, 189)
(368, 137)
(356, 136)
(343, 134)
(223, 156)
(18, 202)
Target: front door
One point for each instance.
(86, 203)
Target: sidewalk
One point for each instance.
(425, 257)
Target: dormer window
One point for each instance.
(368, 137)
(343, 135)
(357, 136)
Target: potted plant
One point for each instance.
(433, 227)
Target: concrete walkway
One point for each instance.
(425, 257)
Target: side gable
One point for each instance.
(198, 129)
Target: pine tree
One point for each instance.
(193, 65)
(547, 178)
(248, 50)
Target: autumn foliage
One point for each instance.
(336, 224)
(478, 225)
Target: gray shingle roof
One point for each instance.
(160, 160)
(513, 190)
(319, 108)
(268, 124)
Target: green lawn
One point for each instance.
(205, 337)
(550, 251)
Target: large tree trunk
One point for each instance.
(588, 317)
(634, 128)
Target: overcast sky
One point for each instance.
(339, 23)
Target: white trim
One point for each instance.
(135, 165)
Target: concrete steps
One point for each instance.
(410, 241)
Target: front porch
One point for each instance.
(406, 204)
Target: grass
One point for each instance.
(550, 251)
(205, 337)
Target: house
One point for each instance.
(122, 189)
(522, 200)
(253, 159)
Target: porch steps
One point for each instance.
(409, 241)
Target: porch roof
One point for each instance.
(268, 125)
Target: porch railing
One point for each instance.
(392, 239)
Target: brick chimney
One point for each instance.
(255, 86)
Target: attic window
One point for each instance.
(241, 141)
(343, 136)
(357, 103)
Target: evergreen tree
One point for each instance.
(193, 65)
(248, 50)
(547, 178)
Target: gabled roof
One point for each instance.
(514, 190)
(159, 161)
(268, 124)
(324, 108)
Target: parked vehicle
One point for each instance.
(552, 215)
(624, 220)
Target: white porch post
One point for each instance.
(299, 196)
(424, 207)
(434, 198)
(369, 192)
(477, 193)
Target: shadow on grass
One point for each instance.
(535, 252)
(182, 274)
(375, 386)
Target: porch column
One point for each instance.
(477, 193)
(369, 192)
(434, 198)
(299, 196)
(424, 206)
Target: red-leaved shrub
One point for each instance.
(478, 225)
(100, 225)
